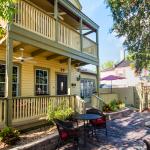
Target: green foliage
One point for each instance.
(108, 64)
(9, 136)
(106, 108)
(60, 111)
(132, 21)
(7, 11)
(113, 106)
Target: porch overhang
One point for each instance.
(19, 34)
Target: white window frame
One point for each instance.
(17, 83)
(42, 84)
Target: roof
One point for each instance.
(121, 64)
(85, 71)
(76, 3)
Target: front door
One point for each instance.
(61, 84)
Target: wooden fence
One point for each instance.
(144, 96)
(26, 109)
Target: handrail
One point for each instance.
(97, 102)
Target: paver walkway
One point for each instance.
(123, 134)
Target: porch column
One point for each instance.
(98, 68)
(69, 76)
(8, 80)
(98, 79)
(81, 35)
(56, 17)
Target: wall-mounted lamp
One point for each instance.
(78, 78)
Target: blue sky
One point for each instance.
(110, 45)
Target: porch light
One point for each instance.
(78, 78)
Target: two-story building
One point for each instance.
(39, 56)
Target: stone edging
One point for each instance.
(119, 114)
(48, 142)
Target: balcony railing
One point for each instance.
(35, 19)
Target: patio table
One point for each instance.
(86, 117)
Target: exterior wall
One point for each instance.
(128, 95)
(88, 76)
(86, 86)
(27, 73)
(127, 72)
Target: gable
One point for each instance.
(76, 3)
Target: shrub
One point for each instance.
(106, 108)
(113, 105)
(9, 136)
(61, 112)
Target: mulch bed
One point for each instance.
(30, 136)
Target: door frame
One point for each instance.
(59, 73)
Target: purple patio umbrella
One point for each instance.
(111, 78)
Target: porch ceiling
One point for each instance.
(30, 50)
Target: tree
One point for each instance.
(132, 21)
(108, 64)
(7, 11)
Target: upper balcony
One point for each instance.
(68, 30)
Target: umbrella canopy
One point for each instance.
(111, 78)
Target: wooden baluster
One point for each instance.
(1, 110)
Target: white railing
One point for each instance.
(79, 105)
(89, 47)
(68, 37)
(30, 109)
(34, 19)
(97, 102)
(27, 108)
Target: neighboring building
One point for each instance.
(39, 55)
(122, 69)
(87, 84)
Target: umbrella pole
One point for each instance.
(111, 86)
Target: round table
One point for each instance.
(86, 117)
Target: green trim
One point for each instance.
(28, 37)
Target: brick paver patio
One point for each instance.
(123, 134)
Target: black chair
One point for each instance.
(147, 142)
(67, 133)
(97, 124)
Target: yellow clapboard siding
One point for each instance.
(27, 72)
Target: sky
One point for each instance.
(110, 46)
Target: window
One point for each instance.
(41, 85)
(15, 80)
(87, 87)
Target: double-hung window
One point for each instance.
(15, 80)
(41, 84)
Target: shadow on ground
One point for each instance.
(123, 134)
